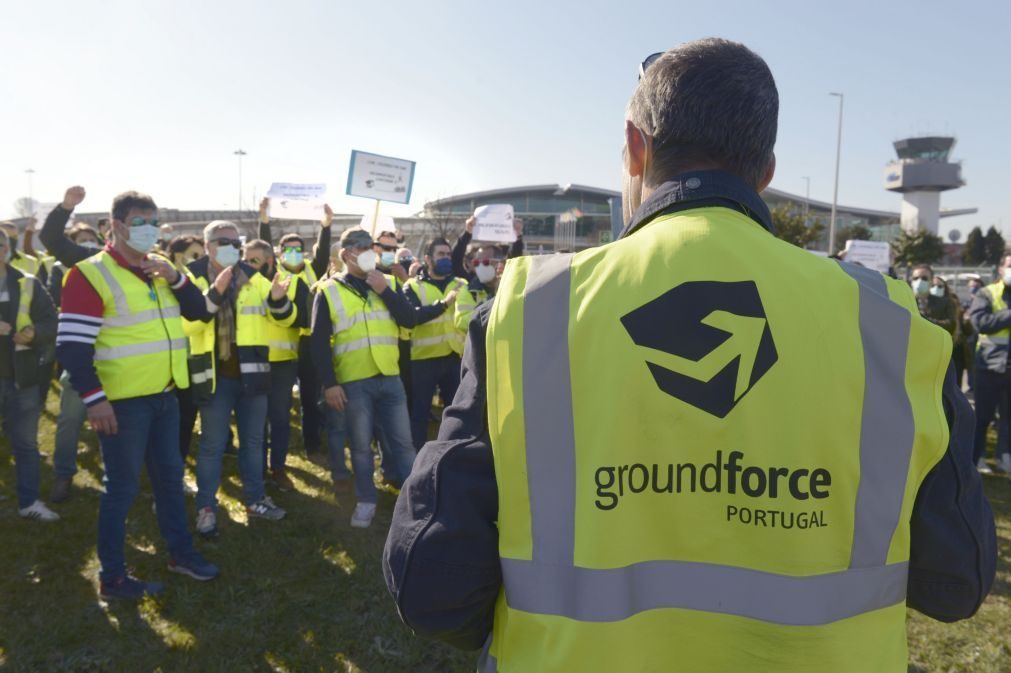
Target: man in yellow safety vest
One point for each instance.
(668, 454)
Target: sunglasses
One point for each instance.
(486, 262)
(234, 242)
(140, 222)
(650, 60)
(291, 249)
(387, 248)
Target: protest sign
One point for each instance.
(374, 176)
(870, 254)
(295, 201)
(494, 223)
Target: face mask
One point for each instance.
(90, 244)
(443, 267)
(973, 290)
(485, 274)
(143, 238)
(367, 261)
(265, 271)
(937, 291)
(920, 287)
(292, 257)
(387, 259)
(1007, 276)
(226, 255)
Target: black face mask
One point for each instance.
(266, 271)
(407, 264)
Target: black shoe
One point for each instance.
(61, 490)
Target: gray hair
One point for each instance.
(211, 230)
(707, 103)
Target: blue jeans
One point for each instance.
(68, 429)
(308, 394)
(148, 433)
(427, 375)
(381, 400)
(282, 378)
(215, 416)
(20, 412)
(336, 439)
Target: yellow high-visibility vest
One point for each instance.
(308, 275)
(252, 320)
(25, 263)
(141, 347)
(466, 302)
(702, 465)
(283, 341)
(1000, 338)
(364, 336)
(439, 337)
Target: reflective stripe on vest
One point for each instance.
(1000, 338)
(550, 584)
(141, 348)
(24, 316)
(283, 341)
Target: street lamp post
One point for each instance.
(31, 197)
(835, 191)
(240, 153)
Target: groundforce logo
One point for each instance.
(706, 343)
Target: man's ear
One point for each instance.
(635, 149)
(770, 171)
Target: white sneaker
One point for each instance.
(207, 521)
(983, 467)
(38, 510)
(1004, 464)
(363, 515)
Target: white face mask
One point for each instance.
(93, 245)
(143, 238)
(1007, 276)
(485, 274)
(937, 291)
(367, 261)
(920, 287)
(226, 255)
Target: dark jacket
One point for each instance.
(62, 248)
(29, 364)
(320, 262)
(441, 559)
(940, 311)
(990, 355)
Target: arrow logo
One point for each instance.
(706, 343)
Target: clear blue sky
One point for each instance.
(156, 96)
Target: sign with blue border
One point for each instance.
(374, 176)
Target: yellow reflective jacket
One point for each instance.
(364, 339)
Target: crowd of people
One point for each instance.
(148, 330)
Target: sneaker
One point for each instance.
(38, 510)
(363, 515)
(130, 588)
(194, 565)
(61, 490)
(282, 480)
(1004, 464)
(207, 522)
(265, 509)
(983, 467)
(343, 487)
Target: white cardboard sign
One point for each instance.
(296, 201)
(375, 176)
(871, 254)
(494, 223)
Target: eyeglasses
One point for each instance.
(140, 222)
(234, 242)
(387, 248)
(486, 262)
(291, 249)
(254, 261)
(650, 60)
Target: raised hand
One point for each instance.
(264, 205)
(327, 215)
(73, 197)
(279, 288)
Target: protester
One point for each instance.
(19, 259)
(184, 250)
(121, 340)
(975, 284)
(165, 236)
(991, 319)
(27, 328)
(230, 369)
(534, 525)
(461, 267)
(356, 319)
(931, 300)
(488, 263)
(436, 345)
(292, 263)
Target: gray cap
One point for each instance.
(355, 238)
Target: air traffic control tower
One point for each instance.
(922, 171)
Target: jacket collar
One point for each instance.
(701, 189)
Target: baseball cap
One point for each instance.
(356, 238)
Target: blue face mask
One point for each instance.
(443, 267)
(226, 255)
(292, 257)
(387, 259)
(973, 290)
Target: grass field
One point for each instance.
(303, 594)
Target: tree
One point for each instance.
(25, 207)
(993, 242)
(441, 223)
(791, 227)
(974, 250)
(918, 247)
(853, 232)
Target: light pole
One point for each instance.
(807, 197)
(835, 191)
(240, 153)
(31, 200)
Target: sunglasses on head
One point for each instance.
(140, 221)
(649, 60)
(234, 242)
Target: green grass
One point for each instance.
(303, 594)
